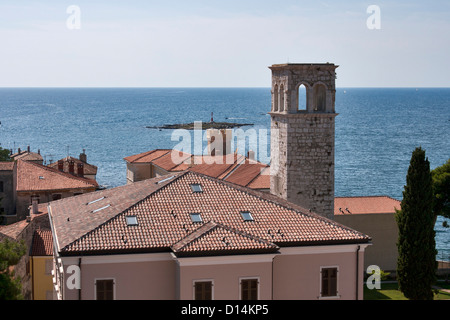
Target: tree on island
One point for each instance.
(416, 265)
(441, 190)
(10, 254)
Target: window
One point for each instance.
(302, 98)
(196, 188)
(196, 217)
(249, 289)
(329, 282)
(132, 221)
(203, 290)
(1, 186)
(247, 216)
(104, 289)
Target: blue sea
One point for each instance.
(376, 130)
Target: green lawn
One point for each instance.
(389, 291)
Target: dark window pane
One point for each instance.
(203, 290)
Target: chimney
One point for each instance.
(83, 156)
(71, 167)
(251, 155)
(80, 170)
(60, 165)
(18, 150)
(34, 204)
(28, 149)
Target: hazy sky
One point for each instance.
(224, 43)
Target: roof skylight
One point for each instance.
(247, 216)
(132, 221)
(196, 187)
(196, 217)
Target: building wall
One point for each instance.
(138, 172)
(383, 230)
(42, 281)
(226, 273)
(148, 277)
(23, 201)
(295, 274)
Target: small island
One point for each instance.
(204, 125)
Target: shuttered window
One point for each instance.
(203, 290)
(249, 289)
(105, 289)
(329, 282)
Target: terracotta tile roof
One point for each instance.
(234, 168)
(42, 244)
(6, 165)
(163, 218)
(35, 177)
(27, 156)
(88, 168)
(148, 156)
(213, 238)
(365, 205)
(13, 231)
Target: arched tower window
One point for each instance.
(320, 97)
(302, 98)
(281, 94)
(275, 98)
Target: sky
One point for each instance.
(226, 43)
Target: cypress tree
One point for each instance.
(416, 265)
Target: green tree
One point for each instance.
(10, 254)
(4, 155)
(441, 190)
(416, 265)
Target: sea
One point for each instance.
(377, 129)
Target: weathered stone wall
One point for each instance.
(302, 141)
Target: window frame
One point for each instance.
(105, 279)
(321, 296)
(258, 285)
(194, 282)
(196, 185)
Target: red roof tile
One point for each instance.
(35, 177)
(163, 215)
(213, 238)
(365, 205)
(42, 243)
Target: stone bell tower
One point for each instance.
(302, 135)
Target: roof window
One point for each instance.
(196, 217)
(196, 188)
(132, 221)
(247, 216)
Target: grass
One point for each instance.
(389, 291)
